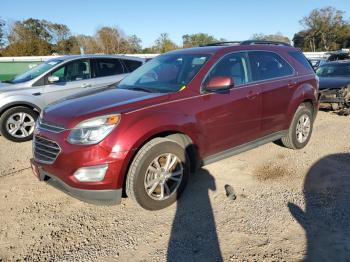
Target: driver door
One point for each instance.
(73, 77)
(231, 117)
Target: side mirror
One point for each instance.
(53, 79)
(218, 83)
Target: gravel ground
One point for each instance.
(290, 206)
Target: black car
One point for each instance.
(335, 84)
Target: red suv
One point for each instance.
(179, 111)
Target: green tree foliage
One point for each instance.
(37, 37)
(325, 29)
(197, 40)
(274, 37)
(164, 44)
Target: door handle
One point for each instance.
(85, 85)
(252, 95)
(37, 94)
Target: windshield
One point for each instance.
(165, 74)
(334, 70)
(35, 71)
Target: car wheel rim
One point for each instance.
(303, 128)
(163, 176)
(20, 125)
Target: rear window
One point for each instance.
(301, 59)
(131, 65)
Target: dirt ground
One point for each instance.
(290, 206)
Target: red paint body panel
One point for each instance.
(214, 121)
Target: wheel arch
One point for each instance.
(20, 103)
(305, 94)
(173, 134)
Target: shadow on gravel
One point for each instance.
(326, 219)
(193, 235)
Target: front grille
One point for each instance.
(44, 150)
(49, 126)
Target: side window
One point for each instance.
(301, 59)
(233, 65)
(74, 71)
(267, 65)
(131, 65)
(108, 67)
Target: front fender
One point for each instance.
(144, 126)
(17, 100)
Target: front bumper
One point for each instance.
(97, 197)
(337, 96)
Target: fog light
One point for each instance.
(91, 173)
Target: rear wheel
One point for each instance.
(17, 124)
(300, 130)
(158, 174)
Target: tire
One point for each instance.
(292, 140)
(18, 118)
(143, 176)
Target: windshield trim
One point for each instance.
(159, 89)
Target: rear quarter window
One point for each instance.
(301, 60)
(108, 67)
(131, 65)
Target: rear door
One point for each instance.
(74, 77)
(277, 80)
(232, 117)
(107, 71)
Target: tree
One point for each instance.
(197, 40)
(28, 37)
(88, 43)
(164, 44)
(2, 33)
(38, 37)
(134, 44)
(324, 29)
(110, 41)
(274, 37)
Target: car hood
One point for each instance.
(70, 111)
(333, 82)
(7, 87)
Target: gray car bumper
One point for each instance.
(97, 197)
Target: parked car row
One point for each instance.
(181, 110)
(23, 98)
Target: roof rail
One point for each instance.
(247, 42)
(264, 42)
(225, 43)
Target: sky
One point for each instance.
(231, 20)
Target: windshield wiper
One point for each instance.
(7, 82)
(137, 88)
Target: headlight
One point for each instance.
(94, 130)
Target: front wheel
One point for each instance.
(300, 130)
(17, 124)
(158, 174)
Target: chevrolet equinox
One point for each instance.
(182, 110)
